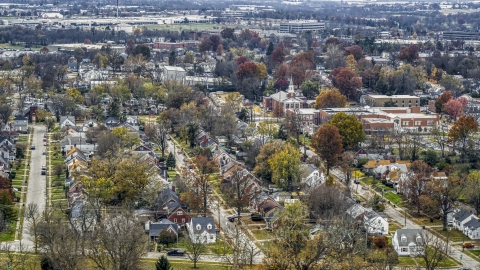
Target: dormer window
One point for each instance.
(419, 239)
(199, 227)
(209, 226)
(404, 238)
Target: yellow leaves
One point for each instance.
(351, 63)
(285, 165)
(261, 71)
(100, 60)
(330, 99)
(74, 95)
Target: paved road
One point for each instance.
(36, 189)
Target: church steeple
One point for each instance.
(290, 85)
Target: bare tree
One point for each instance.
(237, 250)
(158, 133)
(34, 217)
(16, 257)
(431, 249)
(440, 137)
(118, 243)
(196, 248)
(5, 113)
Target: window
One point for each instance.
(418, 123)
(199, 227)
(430, 122)
(209, 226)
(404, 238)
(180, 213)
(404, 249)
(183, 220)
(175, 220)
(211, 237)
(405, 123)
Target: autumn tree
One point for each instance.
(277, 57)
(454, 108)
(262, 168)
(354, 50)
(415, 184)
(346, 81)
(472, 189)
(350, 129)
(201, 182)
(439, 136)
(461, 131)
(299, 65)
(442, 100)
(452, 84)
(293, 247)
(409, 54)
(441, 194)
(351, 63)
(158, 133)
(328, 144)
(330, 99)
(285, 166)
(240, 189)
(432, 249)
(195, 249)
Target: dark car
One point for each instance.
(32, 147)
(176, 252)
(232, 218)
(256, 217)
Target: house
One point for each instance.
(439, 176)
(166, 196)
(156, 228)
(461, 217)
(376, 222)
(173, 73)
(202, 230)
(67, 121)
(20, 123)
(407, 242)
(371, 165)
(176, 214)
(472, 229)
(357, 212)
(315, 178)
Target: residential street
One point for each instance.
(222, 216)
(36, 189)
(394, 214)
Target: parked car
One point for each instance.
(44, 153)
(256, 217)
(468, 245)
(185, 159)
(232, 218)
(176, 252)
(32, 147)
(365, 187)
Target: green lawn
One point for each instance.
(262, 234)
(475, 252)
(22, 138)
(171, 173)
(369, 181)
(181, 265)
(219, 247)
(394, 198)
(9, 235)
(406, 261)
(446, 263)
(454, 235)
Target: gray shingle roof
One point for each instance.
(473, 223)
(158, 227)
(462, 215)
(410, 234)
(203, 222)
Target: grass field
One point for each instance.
(262, 234)
(394, 198)
(406, 261)
(454, 235)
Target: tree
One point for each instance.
(171, 58)
(431, 157)
(293, 247)
(33, 216)
(454, 108)
(472, 189)
(171, 163)
(409, 54)
(201, 182)
(432, 249)
(163, 264)
(439, 136)
(5, 113)
(461, 131)
(267, 130)
(346, 81)
(415, 184)
(158, 133)
(443, 99)
(451, 84)
(354, 50)
(351, 63)
(240, 190)
(166, 237)
(270, 49)
(309, 89)
(74, 95)
(58, 169)
(327, 143)
(277, 57)
(117, 243)
(262, 168)
(330, 99)
(285, 165)
(142, 49)
(195, 249)
(350, 129)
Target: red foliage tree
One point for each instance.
(277, 57)
(282, 84)
(355, 50)
(328, 144)
(246, 70)
(282, 72)
(346, 81)
(441, 101)
(409, 54)
(454, 108)
(299, 65)
(241, 59)
(205, 45)
(215, 41)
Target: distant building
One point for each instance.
(20, 123)
(463, 35)
(399, 100)
(300, 26)
(173, 73)
(282, 101)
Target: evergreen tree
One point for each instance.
(270, 48)
(19, 153)
(171, 161)
(113, 109)
(171, 58)
(163, 264)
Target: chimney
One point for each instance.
(75, 145)
(173, 188)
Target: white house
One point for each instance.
(20, 123)
(375, 222)
(408, 242)
(67, 121)
(472, 229)
(315, 178)
(202, 229)
(461, 217)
